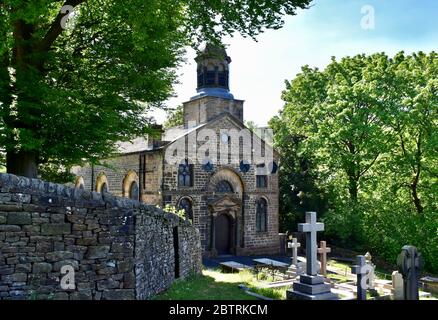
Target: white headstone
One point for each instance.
(371, 275)
(397, 285)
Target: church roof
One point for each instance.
(136, 145)
(171, 135)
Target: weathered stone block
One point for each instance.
(11, 207)
(44, 246)
(23, 267)
(19, 218)
(55, 229)
(58, 265)
(9, 228)
(81, 295)
(57, 218)
(120, 294)
(107, 284)
(5, 270)
(61, 296)
(125, 266)
(129, 280)
(42, 267)
(59, 256)
(97, 252)
(16, 277)
(21, 197)
(86, 241)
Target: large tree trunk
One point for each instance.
(414, 193)
(22, 163)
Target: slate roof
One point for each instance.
(169, 136)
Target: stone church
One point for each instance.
(229, 190)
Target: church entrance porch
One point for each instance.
(225, 235)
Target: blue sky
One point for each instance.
(328, 28)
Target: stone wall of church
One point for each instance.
(205, 109)
(115, 172)
(200, 194)
(116, 169)
(118, 248)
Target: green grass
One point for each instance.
(215, 285)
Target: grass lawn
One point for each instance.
(215, 285)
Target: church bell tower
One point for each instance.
(213, 88)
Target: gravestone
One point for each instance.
(409, 264)
(323, 250)
(359, 269)
(295, 245)
(311, 286)
(397, 285)
(372, 268)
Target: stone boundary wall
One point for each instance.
(119, 248)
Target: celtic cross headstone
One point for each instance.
(410, 263)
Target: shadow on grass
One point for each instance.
(216, 285)
(203, 287)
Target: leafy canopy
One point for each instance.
(68, 95)
(358, 140)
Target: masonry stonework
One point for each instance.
(118, 248)
(228, 220)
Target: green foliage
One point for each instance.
(215, 285)
(175, 117)
(56, 174)
(179, 212)
(366, 129)
(69, 95)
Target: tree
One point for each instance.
(68, 95)
(175, 117)
(297, 178)
(366, 127)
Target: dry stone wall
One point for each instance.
(118, 248)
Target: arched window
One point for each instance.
(104, 188)
(102, 183)
(186, 205)
(79, 183)
(224, 187)
(134, 191)
(185, 174)
(261, 215)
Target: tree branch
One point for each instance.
(55, 28)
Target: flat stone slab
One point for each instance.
(311, 289)
(233, 265)
(311, 279)
(295, 295)
(271, 263)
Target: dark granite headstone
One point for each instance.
(410, 263)
(359, 270)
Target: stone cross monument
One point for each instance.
(311, 286)
(295, 245)
(323, 250)
(311, 227)
(360, 270)
(410, 263)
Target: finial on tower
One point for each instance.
(213, 72)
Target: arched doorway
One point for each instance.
(223, 234)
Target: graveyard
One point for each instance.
(254, 150)
(327, 278)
